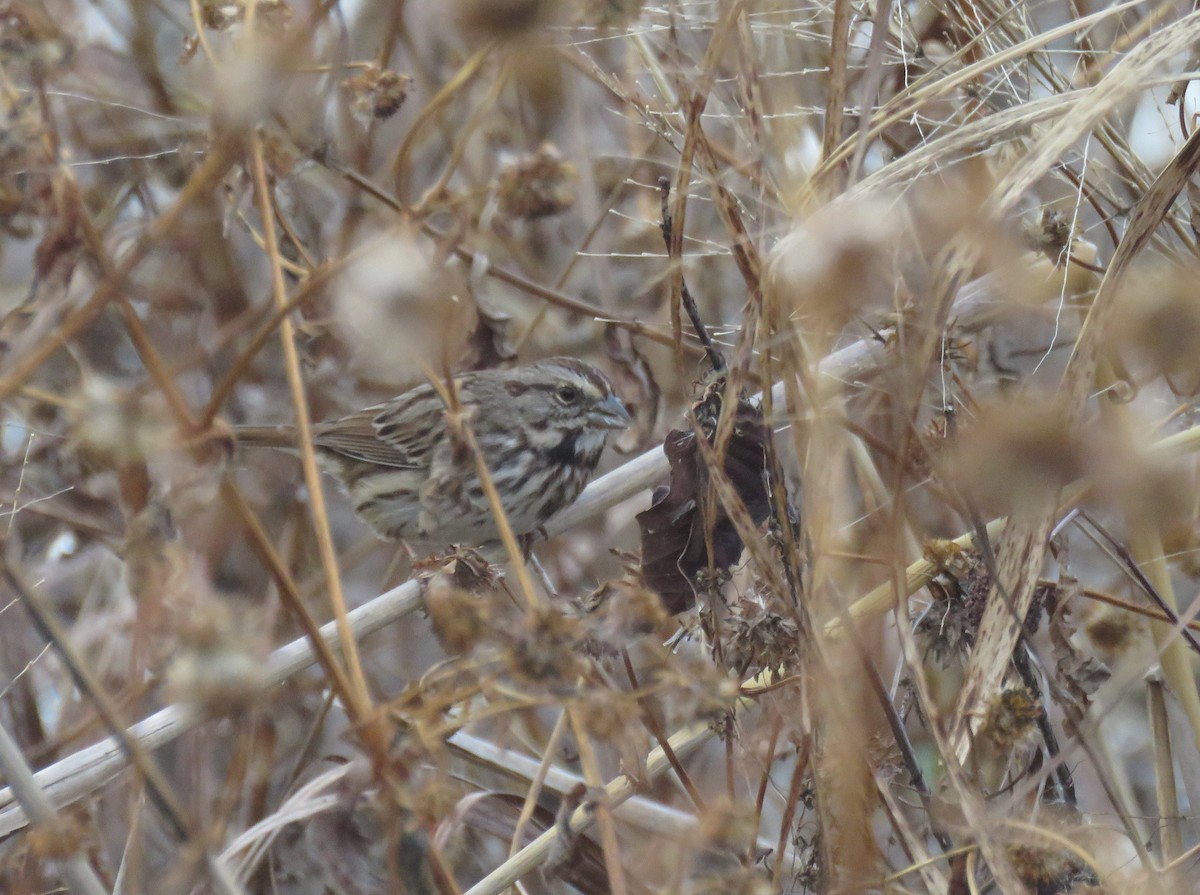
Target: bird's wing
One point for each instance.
(401, 433)
(355, 436)
(412, 424)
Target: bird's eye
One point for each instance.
(568, 394)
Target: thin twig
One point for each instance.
(689, 304)
(360, 704)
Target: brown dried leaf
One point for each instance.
(489, 345)
(674, 547)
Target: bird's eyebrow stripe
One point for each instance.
(585, 372)
(516, 389)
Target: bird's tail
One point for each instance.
(265, 436)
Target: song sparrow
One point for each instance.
(540, 428)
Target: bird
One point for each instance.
(540, 427)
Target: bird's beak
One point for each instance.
(611, 413)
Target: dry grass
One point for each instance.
(954, 247)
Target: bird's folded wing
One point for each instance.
(356, 437)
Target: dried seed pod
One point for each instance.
(537, 185)
(1011, 717)
(376, 94)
